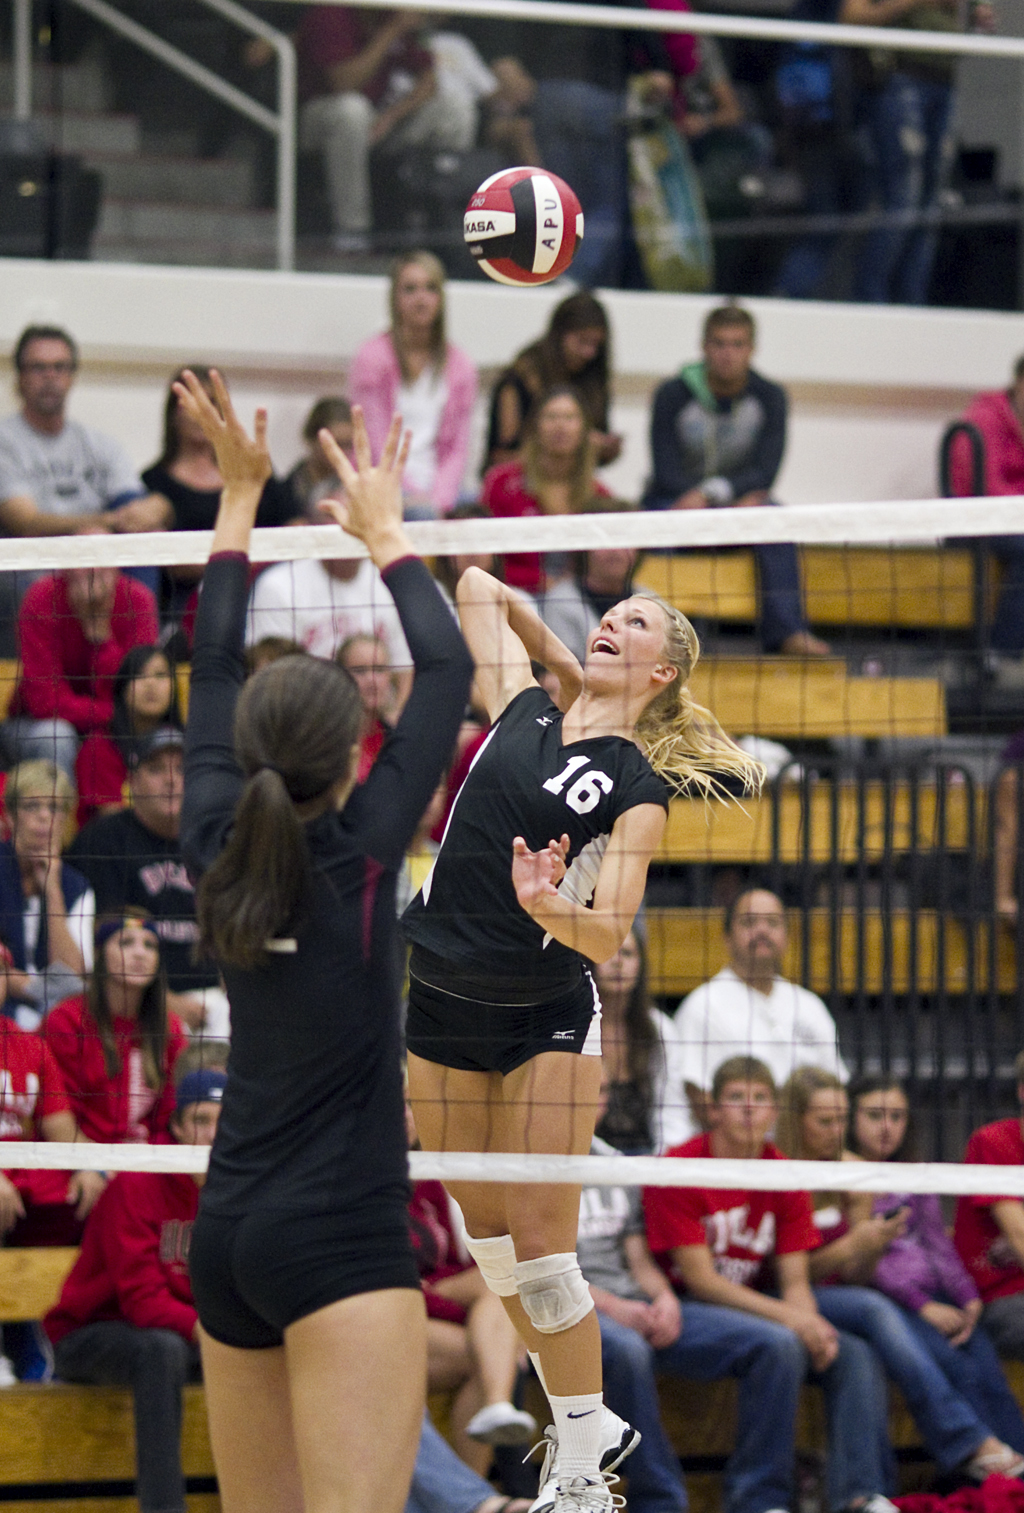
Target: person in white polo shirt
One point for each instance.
(750, 1009)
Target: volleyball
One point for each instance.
(523, 226)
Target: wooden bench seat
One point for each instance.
(789, 698)
(53, 1433)
(743, 832)
(687, 946)
(920, 588)
(57, 1433)
(782, 697)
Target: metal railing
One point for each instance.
(280, 123)
(832, 34)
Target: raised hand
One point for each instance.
(372, 507)
(373, 495)
(535, 873)
(244, 461)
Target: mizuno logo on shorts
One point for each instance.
(564, 1035)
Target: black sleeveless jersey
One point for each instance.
(524, 781)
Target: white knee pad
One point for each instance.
(553, 1292)
(496, 1259)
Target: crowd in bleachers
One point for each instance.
(101, 989)
(404, 114)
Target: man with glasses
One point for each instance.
(750, 1009)
(58, 476)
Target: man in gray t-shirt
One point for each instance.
(639, 1315)
(58, 476)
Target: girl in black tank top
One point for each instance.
(311, 1314)
(541, 870)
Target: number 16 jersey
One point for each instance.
(524, 781)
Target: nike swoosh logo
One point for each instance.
(581, 1415)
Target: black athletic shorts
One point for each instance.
(254, 1276)
(471, 1035)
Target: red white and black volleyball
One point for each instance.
(523, 226)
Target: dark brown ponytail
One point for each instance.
(295, 725)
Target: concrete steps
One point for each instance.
(162, 203)
(139, 231)
(184, 181)
(77, 87)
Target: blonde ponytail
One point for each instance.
(683, 742)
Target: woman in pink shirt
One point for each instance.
(413, 369)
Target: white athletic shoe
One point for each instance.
(502, 1424)
(582, 1495)
(618, 1439)
(8, 1377)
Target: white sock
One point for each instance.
(578, 1421)
(535, 1363)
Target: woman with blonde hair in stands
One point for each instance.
(562, 809)
(812, 1125)
(413, 369)
(47, 907)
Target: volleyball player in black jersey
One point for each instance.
(541, 870)
(312, 1321)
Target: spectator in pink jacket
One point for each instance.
(414, 369)
(999, 416)
(74, 628)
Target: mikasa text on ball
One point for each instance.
(523, 226)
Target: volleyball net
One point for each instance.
(877, 830)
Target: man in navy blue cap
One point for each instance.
(125, 1316)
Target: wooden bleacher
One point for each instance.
(743, 832)
(780, 697)
(55, 1433)
(912, 587)
(812, 698)
(687, 946)
(8, 678)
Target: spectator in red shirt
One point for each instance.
(717, 1248)
(116, 1044)
(365, 82)
(125, 1315)
(145, 697)
(999, 416)
(989, 1231)
(74, 628)
(554, 475)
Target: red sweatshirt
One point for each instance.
(111, 1109)
(64, 676)
(133, 1264)
(31, 1088)
(100, 775)
(1001, 432)
(504, 492)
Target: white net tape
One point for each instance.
(920, 520)
(590, 1171)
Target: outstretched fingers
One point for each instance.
(361, 440)
(198, 405)
(223, 398)
(337, 458)
(395, 441)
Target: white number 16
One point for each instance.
(585, 793)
